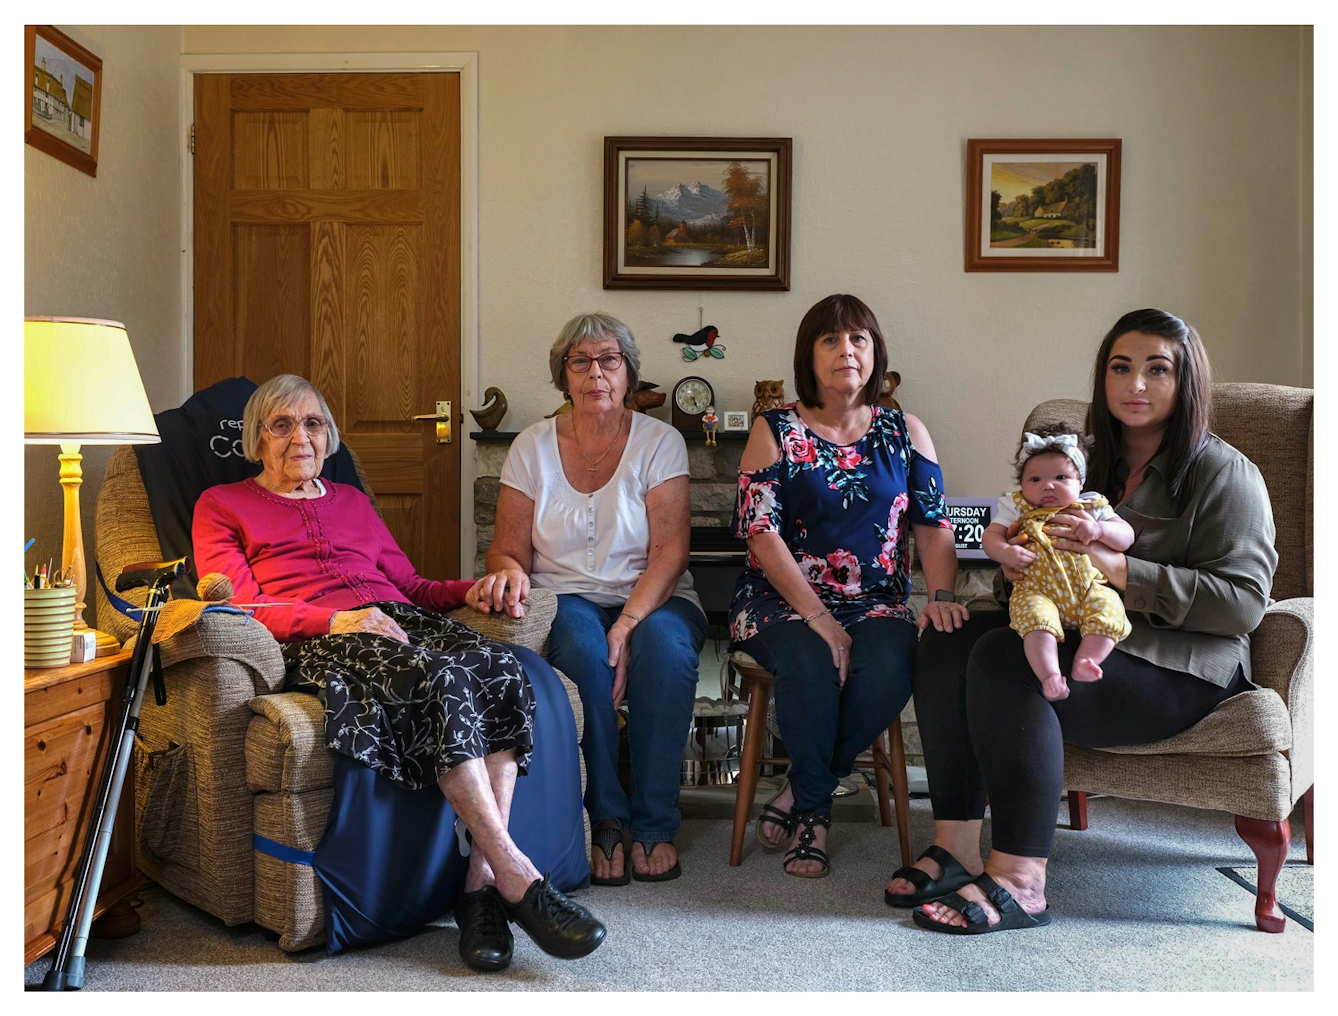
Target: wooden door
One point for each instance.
(327, 244)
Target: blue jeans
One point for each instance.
(661, 688)
(824, 725)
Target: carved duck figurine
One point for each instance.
(494, 407)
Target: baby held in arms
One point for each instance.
(1058, 588)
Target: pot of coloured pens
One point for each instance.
(48, 626)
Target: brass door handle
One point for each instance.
(443, 418)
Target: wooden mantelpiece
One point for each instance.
(68, 713)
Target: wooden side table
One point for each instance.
(68, 718)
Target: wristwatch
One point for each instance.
(945, 596)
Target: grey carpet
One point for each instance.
(1295, 889)
(1138, 906)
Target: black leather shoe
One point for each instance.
(558, 926)
(485, 936)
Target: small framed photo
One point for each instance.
(697, 213)
(1043, 205)
(736, 420)
(64, 109)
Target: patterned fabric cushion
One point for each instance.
(1251, 723)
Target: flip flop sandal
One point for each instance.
(927, 889)
(664, 876)
(1011, 914)
(804, 849)
(774, 816)
(606, 839)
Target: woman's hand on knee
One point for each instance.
(618, 637)
(504, 590)
(370, 619)
(943, 616)
(838, 641)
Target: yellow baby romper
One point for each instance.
(1062, 588)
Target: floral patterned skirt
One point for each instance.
(413, 712)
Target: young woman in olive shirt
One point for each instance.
(1195, 583)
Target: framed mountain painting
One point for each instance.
(697, 213)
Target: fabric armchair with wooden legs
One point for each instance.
(232, 757)
(1253, 756)
(888, 760)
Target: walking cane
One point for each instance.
(67, 968)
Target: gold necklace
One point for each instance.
(595, 464)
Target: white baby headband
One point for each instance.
(1069, 445)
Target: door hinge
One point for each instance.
(192, 137)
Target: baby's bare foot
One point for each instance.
(1086, 670)
(1055, 688)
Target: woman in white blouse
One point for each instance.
(594, 506)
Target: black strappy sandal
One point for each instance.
(664, 876)
(1011, 914)
(928, 889)
(606, 839)
(804, 849)
(774, 816)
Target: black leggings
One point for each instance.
(988, 730)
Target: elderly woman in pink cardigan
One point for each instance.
(419, 698)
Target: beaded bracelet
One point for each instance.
(810, 617)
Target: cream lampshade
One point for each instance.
(81, 386)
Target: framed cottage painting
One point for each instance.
(697, 213)
(1043, 205)
(64, 106)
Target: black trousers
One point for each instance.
(988, 730)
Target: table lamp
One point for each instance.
(81, 386)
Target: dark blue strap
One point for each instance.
(289, 854)
(124, 606)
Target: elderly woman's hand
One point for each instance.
(506, 589)
(618, 635)
(370, 620)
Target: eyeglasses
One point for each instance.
(581, 364)
(285, 426)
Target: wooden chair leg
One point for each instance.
(901, 792)
(881, 767)
(745, 788)
(1308, 804)
(1077, 810)
(1269, 841)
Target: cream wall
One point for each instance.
(1214, 122)
(108, 247)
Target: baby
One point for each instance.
(1059, 587)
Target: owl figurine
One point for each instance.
(891, 382)
(767, 395)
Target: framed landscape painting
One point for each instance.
(697, 213)
(1043, 205)
(64, 97)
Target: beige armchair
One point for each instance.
(232, 755)
(1254, 755)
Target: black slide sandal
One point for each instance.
(606, 839)
(664, 876)
(928, 889)
(1011, 914)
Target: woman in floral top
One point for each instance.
(829, 488)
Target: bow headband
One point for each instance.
(1069, 445)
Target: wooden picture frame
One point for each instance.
(1061, 212)
(62, 107)
(697, 213)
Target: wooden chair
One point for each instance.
(756, 684)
